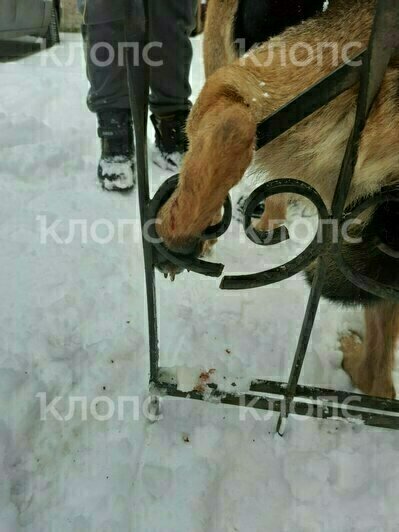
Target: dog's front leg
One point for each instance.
(221, 148)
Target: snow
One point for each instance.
(168, 162)
(188, 378)
(73, 326)
(121, 167)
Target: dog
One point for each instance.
(241, 90)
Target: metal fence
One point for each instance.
(289, 397)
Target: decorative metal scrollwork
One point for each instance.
(184, 260)
(375, 287)
(299, 263)
(320, 243)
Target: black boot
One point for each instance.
(116, 169)
(170, 139)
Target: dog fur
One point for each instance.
(241, 92)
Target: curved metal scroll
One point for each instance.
(299, 263)
(185, 259)
(377, 288)
(321, 241)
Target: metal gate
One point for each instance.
(282, 397)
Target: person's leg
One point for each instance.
(170, 55)
(105, 66)
(171, 24)
(108, 93)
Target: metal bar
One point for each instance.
(297, 406)
(320, 94)
(303, 342)
(136, 24)
(315, 393)
(217, 397)
(375, 63)
(300, 262)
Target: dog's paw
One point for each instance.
(355, 365)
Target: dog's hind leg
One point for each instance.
(370, 363)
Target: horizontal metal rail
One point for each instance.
(310, 101)
(314, 393)
(340, 410)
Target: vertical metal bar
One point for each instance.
(303, 342)
(136, 27)
(376, 61)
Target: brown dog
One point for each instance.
(242, 91)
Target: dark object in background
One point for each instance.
(38, 18)
(259, 20)
(375, 256)
(201, 16)
(170, 136)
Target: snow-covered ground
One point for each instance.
(73, 325)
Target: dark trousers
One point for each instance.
(169, 54)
